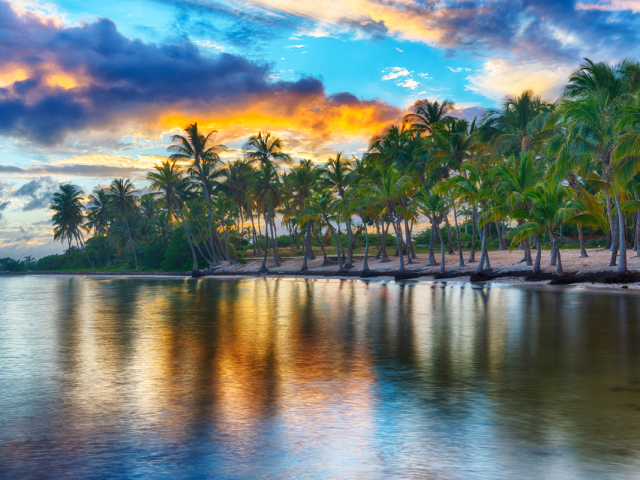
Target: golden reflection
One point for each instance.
(354, 372)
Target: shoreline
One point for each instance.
(507, 269)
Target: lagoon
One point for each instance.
(284, 378)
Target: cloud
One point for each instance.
(409, 83)
(610, 6)
(401, 51)
(544, 29)
(459, 69)
(395, 72)
(500, 76)
(295, 46)
(468, 113)
(38, 193)
(4, 205)
(91, 77)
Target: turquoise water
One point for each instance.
(265, 378)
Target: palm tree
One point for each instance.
(435, 208)
(124, 198)
(552, 205)
(265, 192)
(68, 217)
(98, 211)
(304, 181)
(426, 114)
(387, 189)
(168, 180)
(264, 149)
(323, 206)
(200, 150)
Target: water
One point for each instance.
(255, 378)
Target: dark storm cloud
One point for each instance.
(116, 78)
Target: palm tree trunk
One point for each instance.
(455, 220)
(610, 218)
(408, 240)
(348, 262)
(483, 253)
(442, 255)
(133, 248)
(68, 250)
(622, 241)
(306, 247)
(527, 253)
(501, 242)
(536, 265)
(559, 270)
(400, 246)
(274, 242)
(195, 271)
(365, 263)
(335, 241)
(432, 257)
(413, 253)
(614, 241)
(385, 230)
(324, 252)
(263, 268)
(554, 255)
(583, 252)
(474, 228)
(450, 237)
(79, 240)
(379, 239)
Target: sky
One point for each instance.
(93, 90)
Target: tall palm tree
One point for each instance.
(304, 181)
(98, 211)
(265, 192)
(68, 217)
(200, 150)
(124, 199)
(167, 180)
(388, 188)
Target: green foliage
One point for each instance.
(10, 265)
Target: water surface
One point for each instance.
(266, 378)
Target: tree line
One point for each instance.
(530, 164)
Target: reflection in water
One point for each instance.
(264, 378)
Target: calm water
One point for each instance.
(254, 378)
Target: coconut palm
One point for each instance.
(387, 188)
(167, 180)
(201, 151)
(426, 114)
(265, 192)
(552, 205)
(123, 197)
(68, 217)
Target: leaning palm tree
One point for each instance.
(124, 198)
(167, 180)
(67, 218)
(201, 151)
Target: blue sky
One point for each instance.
(93, 90)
